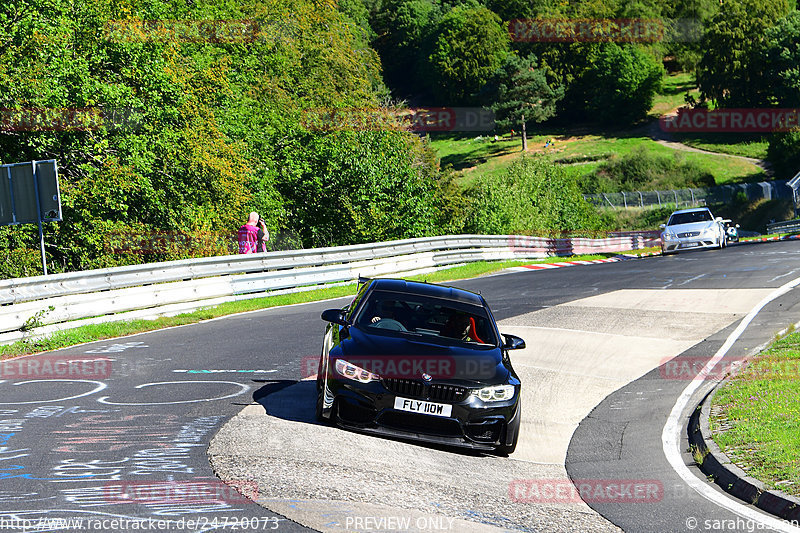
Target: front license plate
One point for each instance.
(419, 406)
(690, 244)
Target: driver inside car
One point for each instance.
(462, 327)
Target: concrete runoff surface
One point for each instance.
(577, 354)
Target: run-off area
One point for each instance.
(577, 354)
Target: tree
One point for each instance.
(782, 56)
(404, 29)
(731, 72)
(470, 46)
(620, 83)
(523, 95)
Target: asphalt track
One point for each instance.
(128, 441)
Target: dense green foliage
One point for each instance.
(532, 196)
(214, 108)
(523, 94)
(644, 171)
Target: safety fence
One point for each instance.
(769, 190)
(42, 304)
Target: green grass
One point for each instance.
(96, 332)
(673, 89)
(478, 158)
(744, 144)
(480, 155)
(762, 407)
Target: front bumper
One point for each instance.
(475, 424)
(689, 243)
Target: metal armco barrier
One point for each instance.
(209, 281)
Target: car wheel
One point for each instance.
(320, 418)
(319, 374)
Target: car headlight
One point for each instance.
(356, 373)
(669, 236)
(496, 393)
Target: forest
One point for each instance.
(171, 120)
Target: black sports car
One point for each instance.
(420, 361)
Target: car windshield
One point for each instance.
(689, 217)
(421, 315)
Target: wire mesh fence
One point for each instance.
(769, 190)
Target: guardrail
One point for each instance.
(787, 226)
(160, 288)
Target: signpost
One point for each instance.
(29, 194)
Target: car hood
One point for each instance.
(692, 226)
(404, 357)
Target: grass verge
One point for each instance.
(96, 332)
(580, 154)
(758, 411)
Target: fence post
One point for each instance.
(658, 194)
(641, 199)
(624, 199)
(676, 197)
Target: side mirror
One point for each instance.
(663, 226)
(737, 225)
(719, 219)
(336, 316)
(512, 342)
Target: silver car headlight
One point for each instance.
(496, 393)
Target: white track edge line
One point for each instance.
(671, 435)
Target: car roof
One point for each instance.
(691, 210)
(428, 289)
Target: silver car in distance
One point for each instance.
(689, 229)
